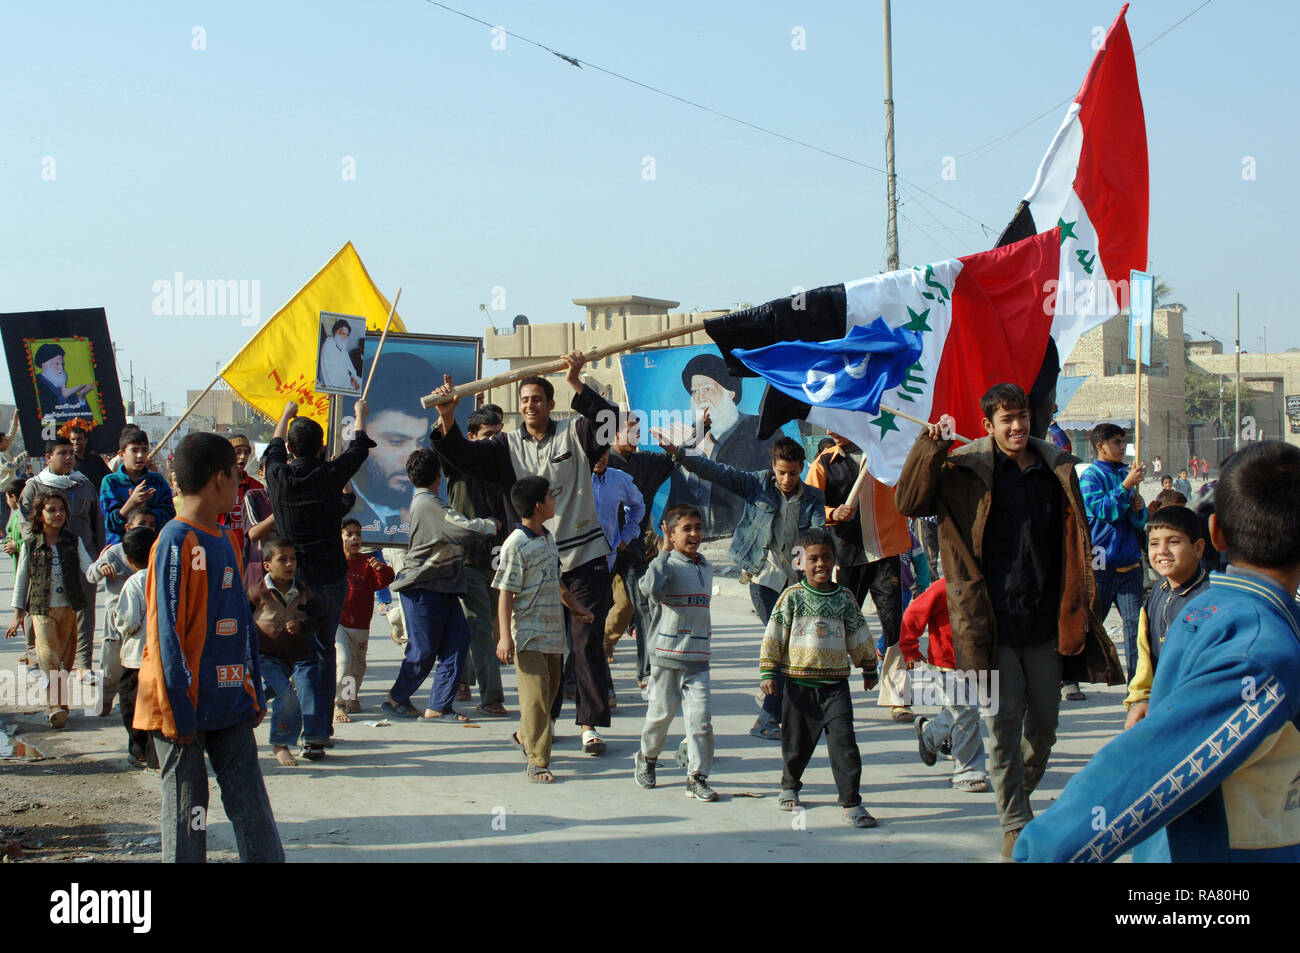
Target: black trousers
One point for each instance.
(139, 743)
(807, 712)
(590, 585)
(881, 579)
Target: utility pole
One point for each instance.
(130, 404)
(1236, 428)
(891, 230)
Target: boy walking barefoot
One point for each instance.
(532, 622)
(815, 631)
(1175, 549)
(287, 616)
(200, 679)
(680, 580)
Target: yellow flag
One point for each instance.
(279, 363)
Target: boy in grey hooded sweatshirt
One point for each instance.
(680, 582)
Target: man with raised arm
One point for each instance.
(564, 453)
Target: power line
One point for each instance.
(580, 63)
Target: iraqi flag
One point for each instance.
(1093, 186)
(962, 325)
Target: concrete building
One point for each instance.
(607, 321)
(225, 410)
(1109, 394)
(1273, 383)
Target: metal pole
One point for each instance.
(132, 402)
(1236, 427)
(891, 229)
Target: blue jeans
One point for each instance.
(233, 753)
(327, 661)
(292, 695)
(1124, 588)
(764, 602)
(436, 630)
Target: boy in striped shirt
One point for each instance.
(200, 688)
(816, 630)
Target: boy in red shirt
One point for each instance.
(958, 723)
(366, 576)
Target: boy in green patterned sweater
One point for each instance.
(816, 631)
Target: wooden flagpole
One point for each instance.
(188, 410)
(374, 362)
(550, 367)
(863, 474)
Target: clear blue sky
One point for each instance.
(478, 168)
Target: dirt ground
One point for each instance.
(80, 801)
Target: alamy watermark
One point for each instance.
(216, 297)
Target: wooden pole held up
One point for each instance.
(374, 361)
(550, 367)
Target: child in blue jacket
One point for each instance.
(1213, 771)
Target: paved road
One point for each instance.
(416, 791)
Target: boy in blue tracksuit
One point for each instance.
(1213, 771)
(778, 507)
(1116, 519)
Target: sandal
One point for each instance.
(540, 775)
(496, 709)
(464, 693)
(858, 816)
(592, 743)
(768, 732)
(518, 743)
(431, 715)
(341, 715)
(312, 752)
(788, 800)
(401, 711)
(971, 786)
(902, 714)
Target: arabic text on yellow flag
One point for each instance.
(279, 363)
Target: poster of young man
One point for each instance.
(688, 391)
(62, 370)
(341, 354)
(410, 366)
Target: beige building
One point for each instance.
(1110, 393)
(226, 410)
(607, 321)
(1272, 380)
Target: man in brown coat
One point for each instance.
(1014, 543)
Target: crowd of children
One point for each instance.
(257, 600)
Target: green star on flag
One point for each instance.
(1067, 229)
(885, 422)
(918, 321)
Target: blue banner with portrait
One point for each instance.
(411, 365)
(688, 392)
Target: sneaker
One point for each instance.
(644, 770)
(697, 787)
(945, 749)
(928, 755)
